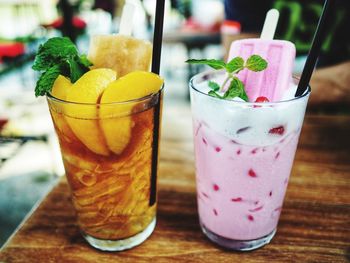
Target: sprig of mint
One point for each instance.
(234, 66)
(58, 56)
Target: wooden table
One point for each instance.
(314, 225)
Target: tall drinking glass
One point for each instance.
(112, 188)
(244, 154)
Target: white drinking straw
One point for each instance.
(127, 18)
(270, 24)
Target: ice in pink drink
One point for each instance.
(244, 154)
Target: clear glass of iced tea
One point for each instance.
(112, 187)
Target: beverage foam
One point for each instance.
(256, 120)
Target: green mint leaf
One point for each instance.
(256, 63)
(46, 80)
(230, 94)
(214, 63)
(42, 61)
(236, 89)
(235, 65)
(244, 95)
(213, 85)
(58, 54)
(75, 70)
(52, 51)
(240, 86)
(83, 60)
(214, 94)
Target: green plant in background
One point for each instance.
(183, 6)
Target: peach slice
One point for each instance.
(115, 120)
(81, 118)
(59, 90)
(61, 87)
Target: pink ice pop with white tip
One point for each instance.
(280, 55)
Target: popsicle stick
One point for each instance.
(126, 21)
(270, 24)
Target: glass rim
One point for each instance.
(125, 102)
(192, 86)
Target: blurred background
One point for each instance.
(30, 162)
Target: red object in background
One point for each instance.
(3, 122)
(192, 25)
(77, 23)
(11, 49)
(230, 27)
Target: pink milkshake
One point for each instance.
(244, 154)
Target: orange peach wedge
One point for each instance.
(82, 118)
(59, 90)
(115, 121)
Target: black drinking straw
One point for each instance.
(158, 36)
(157, 49)
(317, 42)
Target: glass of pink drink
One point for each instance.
(244, 154)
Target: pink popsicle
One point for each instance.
(273, 81)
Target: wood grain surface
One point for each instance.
(314, 225)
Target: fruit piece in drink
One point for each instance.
(134, 85)
(59, 90)
(83, 120)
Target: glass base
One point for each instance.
(122, 244)
(238, 245)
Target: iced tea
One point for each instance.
(110, 191)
